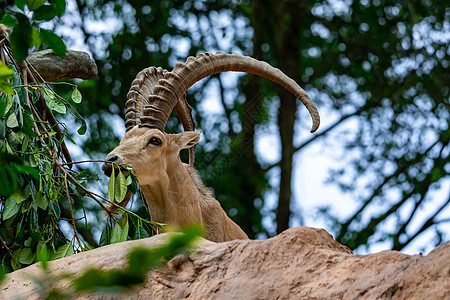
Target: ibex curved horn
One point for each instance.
(141, 89)
(175, 83)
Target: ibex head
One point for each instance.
(155, 93)
(149, 152)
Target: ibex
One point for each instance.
(173, 190)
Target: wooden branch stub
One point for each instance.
(76, 64)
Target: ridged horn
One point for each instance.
(141, 88)
(184, 75)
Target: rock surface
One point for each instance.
(76, 64)
(300, 263)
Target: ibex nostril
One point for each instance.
(112, 157)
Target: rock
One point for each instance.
(76, 64)
(300, 263)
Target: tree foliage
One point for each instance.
(42, 197)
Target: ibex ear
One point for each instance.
(187, 139)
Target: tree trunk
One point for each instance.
(287, 57)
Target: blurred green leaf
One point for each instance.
(34, 4)
(44, 13)
(20, 38)
(53, 41)
(20, 4)
(43, 254)
(21, 195)
(9, 20)
(36, 42)
(6, 74)
(27, 170)
(59, 6)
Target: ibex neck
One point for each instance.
(174, 200)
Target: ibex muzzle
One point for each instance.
(173, 190)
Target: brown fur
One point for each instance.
(173, 190)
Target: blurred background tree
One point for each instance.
(378, 71)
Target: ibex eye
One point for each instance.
(154, 141)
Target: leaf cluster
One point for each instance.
(26, 33)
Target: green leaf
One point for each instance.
(20, 4)
(9, 20)
(42, 254)
(140, 233)
(20, 38)
(116, 234)
(7, 87)
(36, 42)
(120, 189)
(54, 103)
(27, 242)
(26, 256)
(21, 195)
(87, 247)
(44, 13)
(11, 208)
(76, 96)
(27, 170)
(120, 231)
(59, 6)
(64, 251)
(35, 4)
(125, 228)
(9, 103)
(28, 124)
(106, 236)
(16, 255)
(12, 122)
(17, 136)
(41, 201)
(54, 208)
(83, 126)
(54, 42)
(132, 182)
(111, 186)
(5, 72)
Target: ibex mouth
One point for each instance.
(113, 159)
(107, 169)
